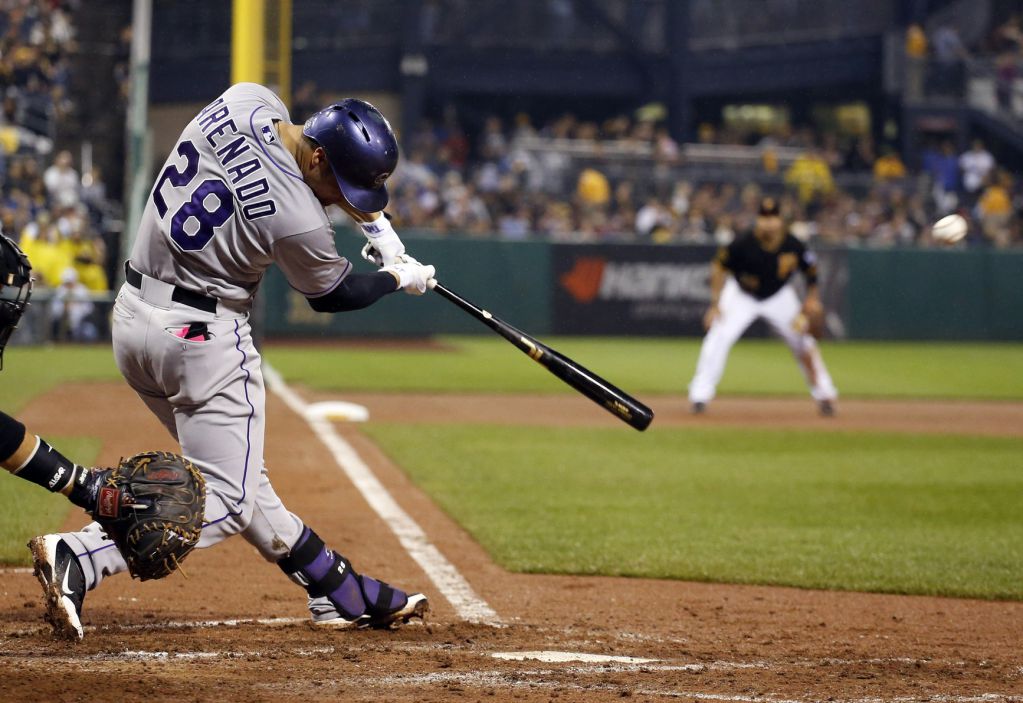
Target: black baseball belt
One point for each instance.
(179, 294)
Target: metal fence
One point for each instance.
(61, 316)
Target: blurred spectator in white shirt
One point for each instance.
(70, 310)
(976, 164)
(62, 181)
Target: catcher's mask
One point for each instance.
(15, 289)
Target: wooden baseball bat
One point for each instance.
(605, 394)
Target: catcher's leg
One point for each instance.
(96, 552)
(737, 312)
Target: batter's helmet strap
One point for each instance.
(15, 289)
(361, 150)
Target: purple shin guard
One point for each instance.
(381, 599)
(325, 573)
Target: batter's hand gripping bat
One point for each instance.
(613, 399)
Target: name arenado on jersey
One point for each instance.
(228, 152)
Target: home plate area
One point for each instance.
(281, 660)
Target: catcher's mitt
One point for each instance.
(152, 507)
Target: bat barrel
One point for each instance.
(602, 392)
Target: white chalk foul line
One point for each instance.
(448, 580)
(555, 657)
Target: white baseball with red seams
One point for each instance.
(950, 229)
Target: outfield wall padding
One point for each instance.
(935, 294)
(509, 278)
(545, 288)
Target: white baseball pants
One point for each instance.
(738, 310)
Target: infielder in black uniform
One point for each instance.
(752, 278)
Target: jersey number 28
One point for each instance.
(192, 226)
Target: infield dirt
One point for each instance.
(707, 642)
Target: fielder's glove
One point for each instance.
(152, 507)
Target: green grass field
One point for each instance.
(30, 371)
(37, 511)
(756, 367)
(873, 512)
(866, 511)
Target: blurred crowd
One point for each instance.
(36, 39)
(46, 205)
(501, 182)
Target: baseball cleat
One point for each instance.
(826, 408)
(698, 408)
(417, 606)
(60, 574)
(324, 615)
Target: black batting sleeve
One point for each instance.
(356, 291)
(12, 434)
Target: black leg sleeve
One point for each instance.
(12, 434)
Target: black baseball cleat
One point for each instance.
(698, 408)
(60, 574)
(826, 408)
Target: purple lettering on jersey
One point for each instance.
(219, 131)
(232, 151)
(251, 190)
(206, 121)
(211, 105)
(177, 177)
(264, 208)
(244, 169)
(206, 219)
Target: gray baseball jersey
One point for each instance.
(230, 201)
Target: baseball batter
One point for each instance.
(242, 189)
(750, 279)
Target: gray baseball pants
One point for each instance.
(209, 394)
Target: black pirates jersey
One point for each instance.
(762, 273)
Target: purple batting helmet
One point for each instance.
(361, 150)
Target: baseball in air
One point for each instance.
(950, 229)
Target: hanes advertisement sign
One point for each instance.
(658, 290)
(615, 289)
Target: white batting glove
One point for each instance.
(373, 256)
(382, 237)
(413, 277)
